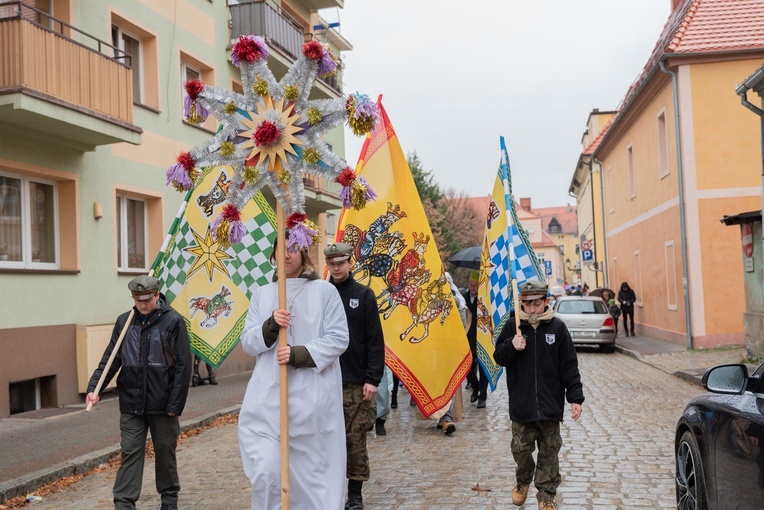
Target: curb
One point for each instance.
(29, 483)
(696, 379)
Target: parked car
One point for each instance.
(588, 320)
(719, 442)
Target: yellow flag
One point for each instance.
(395, 255)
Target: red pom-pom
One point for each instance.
(313, 50)
(267, 133)
(194, 88)
(295, 218)
(186, 160)
(230, 212)
(247, 48)
(346, 177)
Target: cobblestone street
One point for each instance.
(619, 454)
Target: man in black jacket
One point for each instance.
(362, 366)
(476, 378)
(155, 358)
(542, 371)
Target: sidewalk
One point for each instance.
(43, 446)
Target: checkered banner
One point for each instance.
(207, 285)
(507, 255)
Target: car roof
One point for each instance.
(579, 298)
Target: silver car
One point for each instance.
(588, 321)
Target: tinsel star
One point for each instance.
(271, 135)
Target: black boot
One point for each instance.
(355, 500)
(394, 401)
(380, 425)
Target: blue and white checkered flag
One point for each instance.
(503, 260)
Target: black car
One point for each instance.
(719, 442)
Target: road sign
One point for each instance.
(747, 235)
(587, 257)
(586, 245)
(548, 268)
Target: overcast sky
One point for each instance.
(457, 75)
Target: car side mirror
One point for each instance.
(726, 379)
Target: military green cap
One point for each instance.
(531, 288)
(336, 250)
(143, 287)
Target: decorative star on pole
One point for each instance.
(271, 135)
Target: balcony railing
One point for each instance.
(47, 58)
(276, 26)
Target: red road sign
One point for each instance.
(746, 233)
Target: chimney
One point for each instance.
(525, 204)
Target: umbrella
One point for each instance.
(598, 292)
(468, 257)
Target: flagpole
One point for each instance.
(157, 259)
(283, 394)
(509, 206)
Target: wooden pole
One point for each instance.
(283, 393)
(516, 299)
(111, 358)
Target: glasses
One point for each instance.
(534, 303)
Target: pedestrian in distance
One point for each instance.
(615, 312)
(626, 298)
(477, 380)
(362, 367)
(542, 372)
(155, 362)
(317, 333)
(210, 373)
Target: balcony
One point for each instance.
(64, 84)
(280, 31)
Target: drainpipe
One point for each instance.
(594, 222)
(605, 276)
(682, 220)
(742, 91)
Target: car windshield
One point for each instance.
(582, 306)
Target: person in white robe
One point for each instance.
(317, 335)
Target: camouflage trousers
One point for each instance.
(546, 469)
(360, 416)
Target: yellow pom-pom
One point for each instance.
(358, 195)
(260, 87)
(360, 126)
(227, 149)
(193, 117)
(285, 177)
(314, 116)
(221, 234)
(250, 175)
(229, 108)
(310, 155)
(291, 92)
(309, 224)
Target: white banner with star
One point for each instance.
(208, 285)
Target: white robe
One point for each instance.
(317, 457)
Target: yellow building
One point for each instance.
(91, 101)
(679, 155)
(560, 228)
(586, 186)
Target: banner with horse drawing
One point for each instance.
(395, 255)
(208, 285)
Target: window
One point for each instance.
(663, 145)
(608, 191)
(28, 222)
(131, 45)
(562, 248)
(671, 284)
(630, 170)
(132, 233)
(540, 257)
(194, 69)
(142, 46)
(554, 226)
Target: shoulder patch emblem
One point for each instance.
(550, 339)
(353, 303)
